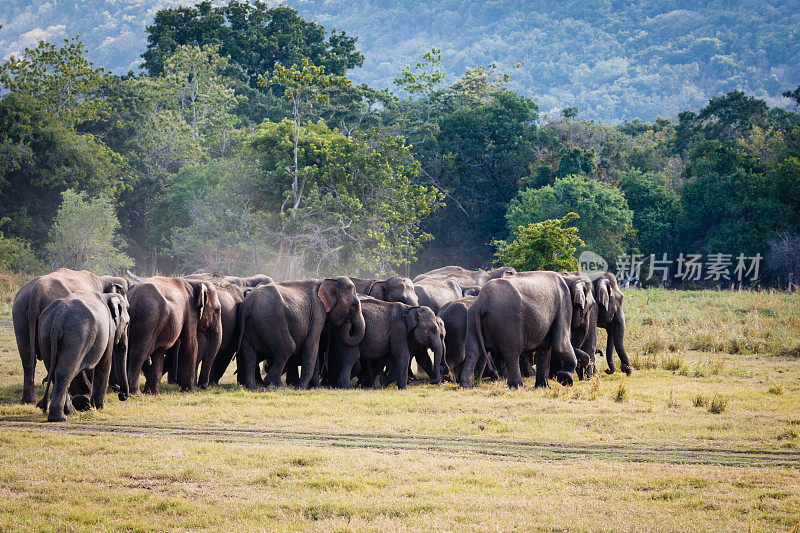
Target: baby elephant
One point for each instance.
(86, 330)
(394, 332)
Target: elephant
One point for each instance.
(582, 329)
(84, 331)
(611, 317)
(35, 296)
(392, 289)
(251, 281)
(231, 292)
(167, 311)
(517, 315)
(436, 292)
(395, 331)
(454, 317)
(284, 320)
(466, 278)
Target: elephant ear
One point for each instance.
(579, 295)
(377, 290)
(201, 297)
(603, 293)
(327, 293)
(412, 318)
(115, 306)
(118, 288)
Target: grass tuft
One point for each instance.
(622, 394)
(776, 389)
(672, 362)
(672, 401)
(700, 401)
(718, 404)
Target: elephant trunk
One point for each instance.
(618, 334)
(352, 332)
(213, 340)
(439, 357)
(120, 364)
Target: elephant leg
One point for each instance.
(424, 361)
(292, 372)
(403, 357)
(247, 364)
(100, 381)
(350, 355)
(513, 371)
(526, 365)
(171, 362)
(60, 403)
(562, 348)
(584, 364)
(389, 374)
(282, 350)
(187, 361)
(610, 354)
(153, 372)
(80, 390)
(308, 363)
(542, 360)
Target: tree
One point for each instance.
(656, 211)
(305, 86)
(545, 245)
(51, 96)
(606, 222)
(60, 82)
(253, 35)
(83, 235)
(361, 207)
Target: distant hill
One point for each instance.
(614, 59)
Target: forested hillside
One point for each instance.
(246, 144)
(613, 60)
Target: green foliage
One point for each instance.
(16, 255)
(42, 151)
(656, 209)
(605, 219)
(545, 245)
(361, 209)
(254, 36)
(59, 81)
(83, 235)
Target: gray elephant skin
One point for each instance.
(517, 315)
(394, 332)
(86, 330)
(167, 311)
(231, 291)
(35, 296)
(284, 320)
(391, 289)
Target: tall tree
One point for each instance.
(253, 35)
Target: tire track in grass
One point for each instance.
(455, 446)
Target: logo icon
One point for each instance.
(591, 265)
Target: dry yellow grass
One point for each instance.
(441, 458)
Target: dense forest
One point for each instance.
(613, 60)
(245, 143)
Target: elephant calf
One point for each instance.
(394, 331)
(83, 331)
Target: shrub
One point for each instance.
(718, 404)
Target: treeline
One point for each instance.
(243, 146)
(615, 60)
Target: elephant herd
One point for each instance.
(92, 332)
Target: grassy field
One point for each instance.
(702, 436)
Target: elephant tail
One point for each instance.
(55, 337)
(476, 323)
